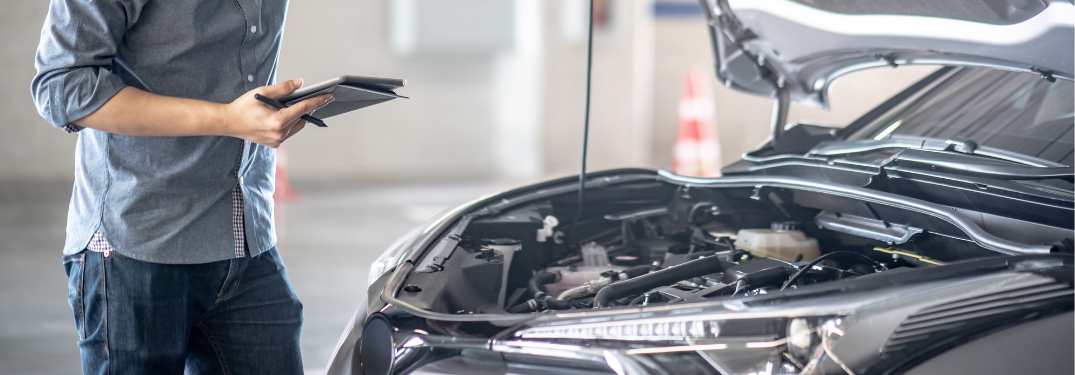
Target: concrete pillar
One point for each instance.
(642, 72)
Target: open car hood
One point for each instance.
(803, 45)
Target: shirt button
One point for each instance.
(250, 78)
(253, 29)
(240, 180)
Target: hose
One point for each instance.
(555, 304)
(571, 293)
(528, 306)
(836, 254)
(694, 268)
(540, 303)
(637, 271)
(533, 286)
(593, 286)
(562, 303)
(535, 304)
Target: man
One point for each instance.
(170, 249)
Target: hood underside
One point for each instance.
(761, 45)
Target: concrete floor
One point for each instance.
(327, 240)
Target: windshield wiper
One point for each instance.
(908, 142)
(969, 165)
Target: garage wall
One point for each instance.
(611, 116)
(442, 132)
(30, 148)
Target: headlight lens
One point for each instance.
(776, 345)
(391, 257)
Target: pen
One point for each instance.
(275, 104)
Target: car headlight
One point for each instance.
(395, 254)
(682, 344)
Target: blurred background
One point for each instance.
(497, 92)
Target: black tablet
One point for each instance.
(350, 93)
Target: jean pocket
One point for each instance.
(74, 265)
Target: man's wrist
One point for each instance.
(221, 121)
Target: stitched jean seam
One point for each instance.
(224, 293)
(216, 348)
(104, 316)
(238, 281)
(81, 297)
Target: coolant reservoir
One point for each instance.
(783, 241)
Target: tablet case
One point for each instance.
(350, 93)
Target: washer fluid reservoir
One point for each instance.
(783, 241)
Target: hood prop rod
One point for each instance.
(780, 112)
(585, 126)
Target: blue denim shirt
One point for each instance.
(161, 199)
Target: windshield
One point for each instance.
(1018, 112)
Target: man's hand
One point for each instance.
(136, 112)
(252, 120)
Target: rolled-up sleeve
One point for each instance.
(74, 61)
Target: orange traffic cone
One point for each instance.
(284, 192)
(697, 151)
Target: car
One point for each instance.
(931, 235)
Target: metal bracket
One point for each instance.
(1045, 74)
(892, 234)
(966, 146)
(780, 112)
(444, 248)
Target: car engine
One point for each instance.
(653, 243)
(749, 274)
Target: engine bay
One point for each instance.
(651, 243)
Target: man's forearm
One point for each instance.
(136, 112)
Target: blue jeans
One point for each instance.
(236, 316)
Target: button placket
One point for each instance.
(244, 51)
(246, 48)
(242, 47)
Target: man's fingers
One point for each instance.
(281, 88)
(306, 106)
